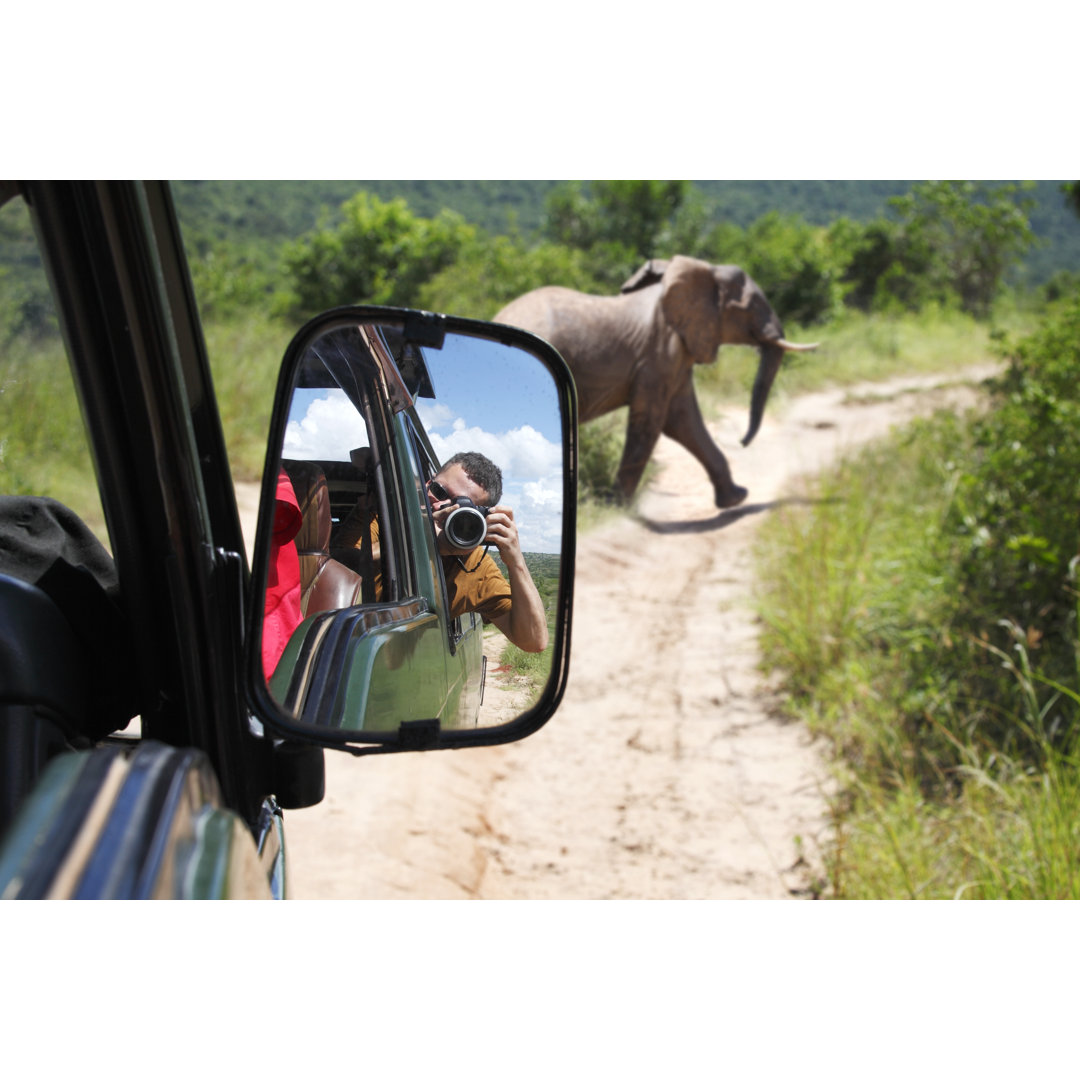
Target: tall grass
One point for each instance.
(940, 795)
(43, 445)
(531, 670)
(245, 357)
(858, 348)
(1006, 831)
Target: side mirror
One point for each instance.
(367, 632)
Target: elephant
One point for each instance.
(639, 349)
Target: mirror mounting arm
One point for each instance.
(425, 328)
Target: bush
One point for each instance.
(600, 447)
(490, 272)
(227, 283)
(381, 253)
(1063, 285)
(924, 613)
(935, 555)
(792, 261)
(1016, 531)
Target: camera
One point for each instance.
(466, 525)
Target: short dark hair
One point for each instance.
(480, 470)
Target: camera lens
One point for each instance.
(465, 527)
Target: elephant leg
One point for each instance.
(685, 425)
(642, 433)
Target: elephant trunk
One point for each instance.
(772, 356)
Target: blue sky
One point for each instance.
(491, 398)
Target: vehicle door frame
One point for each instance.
(115, 260)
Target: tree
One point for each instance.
(796, 264)
(632, 213)
(492, 271)
(621, 223)
(381, 253)
(1072, 195)
(961, 237)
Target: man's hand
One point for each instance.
(503, 533)
(526, 624)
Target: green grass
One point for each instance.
(245, 358)
(857, 348)
(1005, 831)
(532, 670)
(43, 444)
(929, 805)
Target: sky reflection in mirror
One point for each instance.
(491, 398)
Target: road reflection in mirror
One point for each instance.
(398, 438)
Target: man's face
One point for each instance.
(454, 482)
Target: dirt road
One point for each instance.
(666, 773)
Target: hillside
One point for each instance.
(260, 214)
(257, 216)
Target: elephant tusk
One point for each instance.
(789, 346)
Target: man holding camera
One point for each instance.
(466, 482)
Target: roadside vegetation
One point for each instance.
(922, 610)
(531, 670)
(921, 604)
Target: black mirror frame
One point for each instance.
(422, 735)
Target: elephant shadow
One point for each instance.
(723, 519)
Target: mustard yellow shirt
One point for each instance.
(475, 583)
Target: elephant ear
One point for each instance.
(691, 305)
(649, 274)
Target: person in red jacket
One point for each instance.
(282, 613)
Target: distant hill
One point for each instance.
(542, 566)
(260, 214)
(257, 216)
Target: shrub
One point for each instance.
(490, 272)
(381, 253)
(1015, 523)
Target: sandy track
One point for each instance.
(666, 773)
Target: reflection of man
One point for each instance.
(473, 579)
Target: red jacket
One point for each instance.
(282, 613)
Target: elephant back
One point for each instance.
(591, 333)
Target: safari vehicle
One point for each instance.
(151, 732)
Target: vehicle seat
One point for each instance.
(325, 583)
(355, 539)
(67, 671)
(44, 690)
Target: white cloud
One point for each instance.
(532, 476)
(522, 452)
(538, 512)
(434, 415)
(531, 464)
(330, 428)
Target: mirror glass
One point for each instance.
(395, 432)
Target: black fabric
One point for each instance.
(45, 544)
